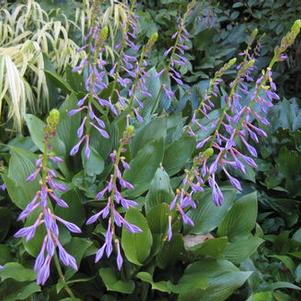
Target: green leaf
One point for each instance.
(136, 246)
(160, 190)
(12, 290)
(114, 284)
(283, 284)
(177, 154)
(241, 218)
(154, 130)
(78, 248)
(36, 129)
(162, 286)
(66, 129)
(261, 296)
(287, 261)
(143, 167)
(208, 216)
(75, 213)
(223, 279)
(157, 218)
(242, 248)
(175, 247)
(5, 222)
(16, 271)
(211, 247)
(20, 167)
(33, 246)
(94, 165)
(59, 81)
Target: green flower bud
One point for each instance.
(104, 33)
(130, 129)
(53, 118)
(208, 152)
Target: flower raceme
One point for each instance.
(114, 198)
(225, 149)
(41, 206)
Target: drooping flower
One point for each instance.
(114, 199)
(48, 193)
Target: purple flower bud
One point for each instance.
(33, 176)
(169, 231)
(44, 271)
(99, 253)
(70, 226)
(119, 257)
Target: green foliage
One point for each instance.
(247, 249)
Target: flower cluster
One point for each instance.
(176, 52)
(40, 205)
(95, 83)
(222, 150)
(114, 197)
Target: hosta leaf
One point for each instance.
(16, 271)
(114, 284)
(144, 166)
(177, 154)
(36, 128)
(208, 216)
(241, 218)
(160, 190)
(136, 246)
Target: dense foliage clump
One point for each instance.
(148, 151)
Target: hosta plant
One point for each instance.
(133, 189)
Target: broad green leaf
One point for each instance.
(75, 213)
(16, 271)
(283, 284)
(33, 246)
(241, 218)
(177, 154)
(94, 165)
(214, 247)
(287, 261)
(12, 290)
(174, 247)
(208, 216)
(136, 246)
(59, 81)
(154, 130)
(157, 218)
(242, 248)
(21, 165)
(223, 279)
(261, 296)
(143, 167)
(114, 284)
(36, 129)
(160, 190)
(68, 125)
